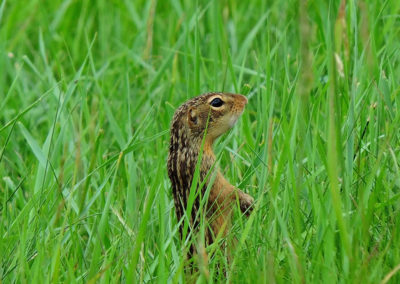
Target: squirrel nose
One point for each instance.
(244, 99)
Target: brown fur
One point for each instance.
(187, 131)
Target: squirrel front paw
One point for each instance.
(246, 204)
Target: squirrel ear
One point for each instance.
(192, 117)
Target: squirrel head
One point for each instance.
(218, 112)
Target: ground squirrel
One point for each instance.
(213, 114)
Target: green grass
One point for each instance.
(87, 92)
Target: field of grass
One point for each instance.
(87, 92)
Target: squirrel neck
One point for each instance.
(183, 156)
(194, 146)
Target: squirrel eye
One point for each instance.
(217, 102)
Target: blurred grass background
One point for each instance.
(87, 92)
